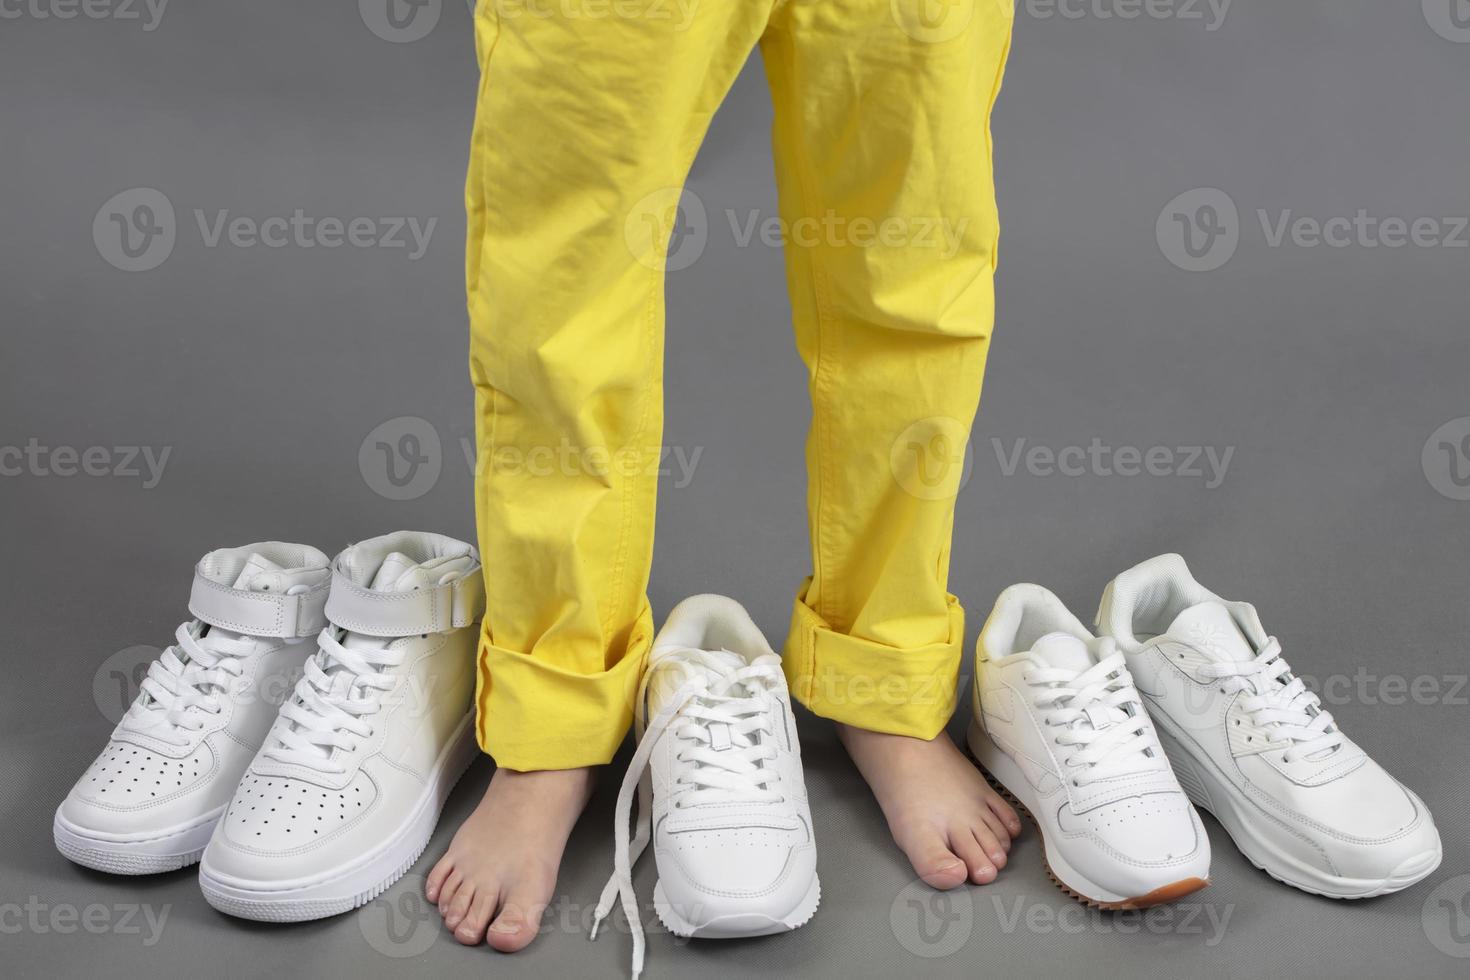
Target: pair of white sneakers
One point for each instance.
(316, 808)
(1183, 701)
(720, 791)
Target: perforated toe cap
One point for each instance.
(272, 814)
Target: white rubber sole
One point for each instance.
(1013, 784)
(740, 926)
(1209, 790)
(135, 854)
(354, 885)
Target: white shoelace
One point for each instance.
(1101, 714)
(1284, 707)
(328, 710)
(184, 691)
(739, 771)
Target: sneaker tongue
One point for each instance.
(1063, 651)
(710, 664)
(397, 574)
(727, 659)
(259, 574)
(1210, 629)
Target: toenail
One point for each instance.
(505, 927)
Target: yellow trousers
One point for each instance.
(589, 115)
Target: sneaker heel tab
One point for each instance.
(1104, 606)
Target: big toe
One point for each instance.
(517, 922)
(933, 861)
(980, 866)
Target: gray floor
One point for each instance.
(1326, 371)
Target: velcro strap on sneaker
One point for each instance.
(258, 613)
(437, 609)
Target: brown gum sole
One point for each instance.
(1167, 893)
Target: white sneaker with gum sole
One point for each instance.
(720, 788)
(1062, 730)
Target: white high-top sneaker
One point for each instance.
(719, 780)
(152, 798)
(345, 793)
(1253, 746)
(1059, 725)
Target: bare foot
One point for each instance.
(943, 815)
(500, 870)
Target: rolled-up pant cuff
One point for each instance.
(881, 688)
(533, 714)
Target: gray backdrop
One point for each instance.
(1159, 290)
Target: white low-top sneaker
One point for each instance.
(1257, 749)
(1059, 726)
(344, 794)
(720, 788)
(152, 798)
